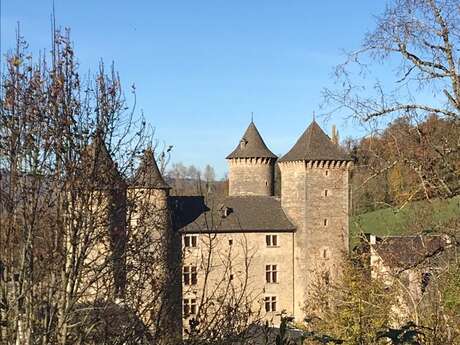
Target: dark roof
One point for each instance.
(408, 251)
(244, 214)
(251, 145)
(99, 167)
(315, 145)
(148, 175)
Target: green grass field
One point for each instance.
(420, 216)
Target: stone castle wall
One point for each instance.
(251, 176)
(315, 197)
(237, 264)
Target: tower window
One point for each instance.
(231, 276)
(190, 241)
(326, 192)
(230, 241)
(426, 277)
(325, 222)
(270, 303)
(189, 306)
(326, 277)
(326, 173)
(271, 240)
(271, 274)
(189, 275)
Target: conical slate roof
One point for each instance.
(251, 145)
(148, 175)
(98, 165)
(315, 145)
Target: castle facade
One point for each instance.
(259, 250)
(249, 255)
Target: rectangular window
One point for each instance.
(270, 303)
(189, 306)
(325, 192)
(189, 275)
(271, 273)
(230, 241)
(271, 240)
(190, 241)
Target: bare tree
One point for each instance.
(62, 198)
(419, 41)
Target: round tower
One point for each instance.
(251, 166)
(150, 223)
(105, 192)
(149, 187)
(315, 196)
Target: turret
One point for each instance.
(315, 196)
(149, 181)
(251, 165)
(105, 192)
(148, 197)
(150, 222)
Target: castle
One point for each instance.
(251, 252)
(253, 245)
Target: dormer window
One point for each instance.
(225, 211)
(243, 143)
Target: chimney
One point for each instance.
(335, 135)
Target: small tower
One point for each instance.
(150, 183)
(105, 192)
(315, 196)
(150, 221)
(251, 166)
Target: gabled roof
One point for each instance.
(315, 145)
(148, 175)
(251, 145)
(232, 214)
(408, 251)
(98, 165)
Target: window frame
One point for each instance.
(189, 275)
(271, 241)
(190, 241)
(271, 274)
(189, 306)
(270, 303)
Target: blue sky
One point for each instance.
(201, 67)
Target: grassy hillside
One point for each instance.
(414, 218)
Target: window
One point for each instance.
(230, 242)
(189, 275)
(325, 192)
(271, 240)
(426, 277)
(271, 273)
(270, 303)
(189, 306)
(190, 241)
(231, 276)
(325, 222)
(326, 173)
(326, 277)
